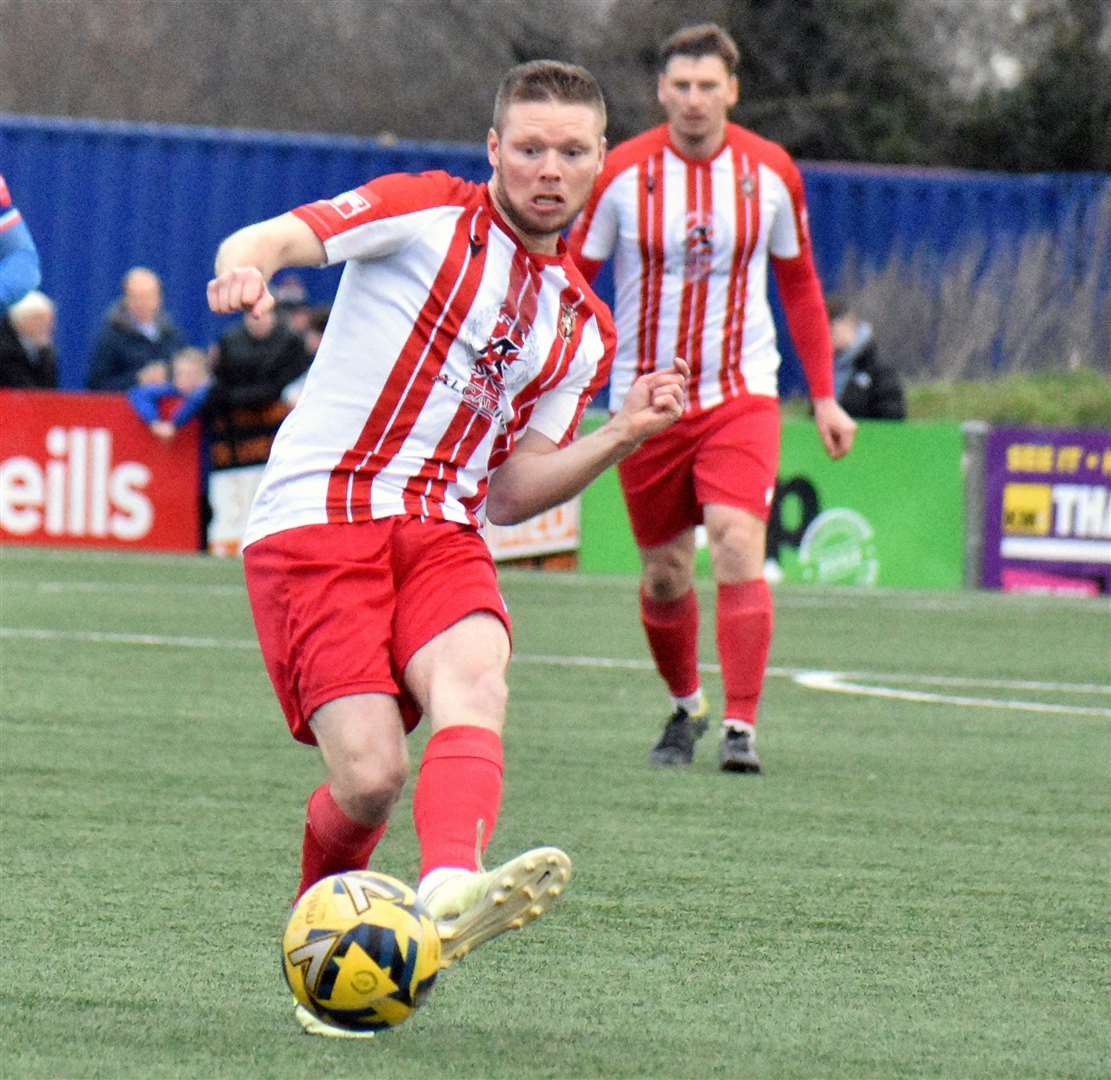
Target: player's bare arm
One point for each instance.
(538, 474)
(835, 427)
(249, 257)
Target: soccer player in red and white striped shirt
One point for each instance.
(462, 348)
(693, 212)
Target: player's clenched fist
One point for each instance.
(656, 400)
(242, 288)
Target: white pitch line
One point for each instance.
(132, 587)
(842, 682)
(795, 673)
(107, 637)
(787, 597)
(964, 680)
(838, 683)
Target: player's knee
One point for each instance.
(737, 548)
(489, 694)
(667, 579)
(371, 785)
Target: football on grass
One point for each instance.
(360, 951)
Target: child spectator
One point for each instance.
(166, 406)
(867, 388)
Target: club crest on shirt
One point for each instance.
(698, 246)
(566, 322)
(746, 185)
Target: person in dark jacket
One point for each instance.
(866, 387)
(254, 363)
(137, 339)
(27, 359)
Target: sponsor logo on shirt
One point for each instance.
(501, 358)
(480, 395)
(350, 204)
(566, 322)
(698, 246)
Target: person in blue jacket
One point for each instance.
(166, 406)
(19, 258)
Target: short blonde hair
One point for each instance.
(548, 80)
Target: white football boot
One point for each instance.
(470, 907)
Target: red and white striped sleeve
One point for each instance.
(381, 216)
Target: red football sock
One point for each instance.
(459, 785)
(333, 842)
(744, 633)
(672, 630)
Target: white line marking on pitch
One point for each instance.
(131, 587)
(841, 682)
(108, 637)
(791, 596)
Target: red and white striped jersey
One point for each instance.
(691, 242)
(447, 339)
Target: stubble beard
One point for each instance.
(520, 220)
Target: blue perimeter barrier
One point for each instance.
(101, 197)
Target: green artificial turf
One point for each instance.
(913, 889)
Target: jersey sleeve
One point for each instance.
(789, 235)
(381, 216)
(558, 412)
(792, 261)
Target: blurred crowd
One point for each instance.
(238, 388)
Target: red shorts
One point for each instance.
(729, 455)
(341, 609)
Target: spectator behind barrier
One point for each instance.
(27, 358)
(137, 338)
(19, 258)
(167, 406)
(312, 335)
(255, 361)
(866, 387)
(292, 302)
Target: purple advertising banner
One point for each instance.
(1047, 511)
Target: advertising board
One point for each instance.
(82, 470)
(890, 514)
(551, 533)
(1047, 511)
